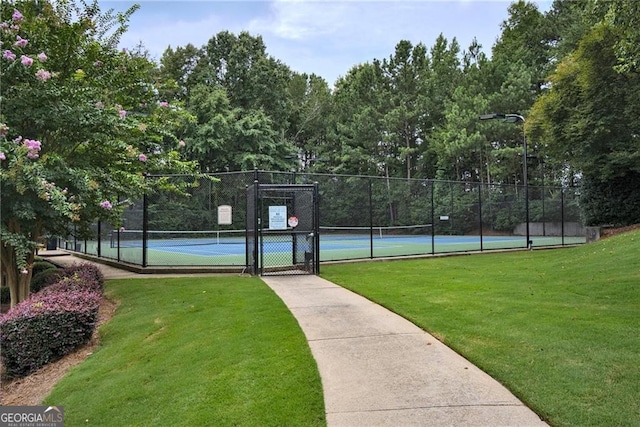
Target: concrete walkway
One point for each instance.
(377, 368)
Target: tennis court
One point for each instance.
(228, 247)
(359, 217)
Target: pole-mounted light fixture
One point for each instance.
(515, 118)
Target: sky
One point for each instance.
(325, 37)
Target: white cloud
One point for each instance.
(302, 20)
(157, 37)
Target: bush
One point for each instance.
(53, 322)
(5, 295)
(89, 272)
(40, 266)
(39, 279)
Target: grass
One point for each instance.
(197, 351)
(559, 328)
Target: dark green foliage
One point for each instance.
(40, 279)
(41, 270)
(39, 266)
(5, 295)
(614, 202)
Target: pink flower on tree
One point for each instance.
(34, 147)
(142, 158)
(43, 75)
(2, 156)
(181, 143)
(20, 42)
(164, 104)
(26, 60)
(106, 205)
(17, 16)
(33, 144)
(8, 55)
(24, 271)
(122, 113)
(42, 57)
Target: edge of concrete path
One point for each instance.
(379, 369)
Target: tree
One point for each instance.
(407, 75)
(463, 152)
(210, 140)
(357, 143)
(590, 120)
(309, 106)
(526, 38)
(80, 127)
(624, 15)
(177, 68)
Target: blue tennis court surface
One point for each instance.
(340, 244)
(333, 247)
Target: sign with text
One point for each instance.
(224, 215)
(32, 416)
(277, 217)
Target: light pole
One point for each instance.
(515, 118)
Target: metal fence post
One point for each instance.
(256, 223)
(480, 214)
(145, 228)
(316, 226)
(562, 214)
(370, 218)
(99, 238)
(433, 218)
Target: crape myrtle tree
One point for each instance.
(80, 127)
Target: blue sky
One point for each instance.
(325, 37)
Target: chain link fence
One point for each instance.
(205, 223)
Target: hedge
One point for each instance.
(51, 323)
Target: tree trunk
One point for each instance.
(18, 282)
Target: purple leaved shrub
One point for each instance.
(88, 272)
(51, 323)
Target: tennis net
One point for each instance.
(377, 232)
(155, 238)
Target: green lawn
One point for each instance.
(557, 327)
(192, 352)
(560, 328)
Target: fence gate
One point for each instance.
(282, 229)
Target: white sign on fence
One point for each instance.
(277, 217)
(224, 215)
